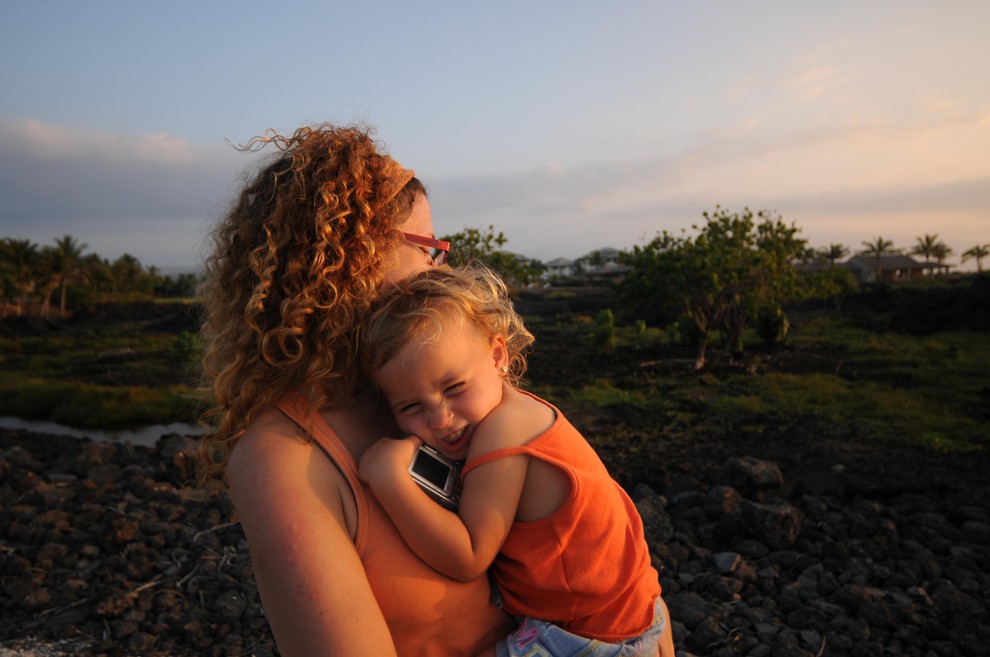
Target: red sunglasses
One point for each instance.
(436, 249)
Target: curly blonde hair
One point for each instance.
(294, 266)
(418, 308)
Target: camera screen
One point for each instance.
(431, 469)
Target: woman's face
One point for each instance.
(409, 258)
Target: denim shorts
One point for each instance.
(536, 638)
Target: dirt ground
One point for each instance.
(664, 449)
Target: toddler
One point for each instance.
(564, 542)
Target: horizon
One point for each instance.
(969, 267)
(599, 126)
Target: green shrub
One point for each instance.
(684, 331)
(604, 332)
(88, 406)
(186, 348)
(772, 325)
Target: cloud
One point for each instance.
(52, 143)
(110, 190)
(842, 183)
(54, 173)
(813, 82)
(154, 196)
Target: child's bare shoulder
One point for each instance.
(517, 420)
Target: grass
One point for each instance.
(86, 406)
(835, 374)
(115, 375)
(598, 392)
(925, 390)
(929, 390)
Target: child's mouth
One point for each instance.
(456, 441)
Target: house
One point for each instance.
(600, 257)
(897, 267)
(610, 271)
(558, 268)
(598, 265)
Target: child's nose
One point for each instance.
(440, 417)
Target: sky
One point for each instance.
(567, 125)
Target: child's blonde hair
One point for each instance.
(418, 308)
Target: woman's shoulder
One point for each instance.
(274, 469)
(271, 454)
(270, 434)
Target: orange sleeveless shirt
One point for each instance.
(427, 613)
(585, 567)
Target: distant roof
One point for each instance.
(606, 251)
(896, 261)
(609, 269)
(559, 262)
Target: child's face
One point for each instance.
(441, 391)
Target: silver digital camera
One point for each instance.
(438, 475)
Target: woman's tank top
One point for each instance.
(427, 613)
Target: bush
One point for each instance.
(604, 333)
(684, 331)
(772, 325)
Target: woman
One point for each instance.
(295, 264)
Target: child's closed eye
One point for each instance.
(409, 409)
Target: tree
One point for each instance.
(878, 248)
(833, 253)
(130, 278)
(64, 262)
(832, 285)
(181, 285)
(485, 246)
(925, 246)
(474, 244)
(978, 253)
(940, 253)
(19, 258)
(28, 272)
(930, 247)
(99, 279)
(724, 276)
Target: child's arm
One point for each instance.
(463, 545)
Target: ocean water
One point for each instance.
(143, 436)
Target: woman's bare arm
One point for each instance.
(291, 504)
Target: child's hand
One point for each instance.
(387, 461)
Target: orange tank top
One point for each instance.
(427, 613)
(585, 567)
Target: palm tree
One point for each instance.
(127, 274)
(833, 252)
(878, 248)
(19, 259)
(978, 253)
(928, 246)
(64, 264)
(940, 253)
(98, 276)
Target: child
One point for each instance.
(564, 541)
